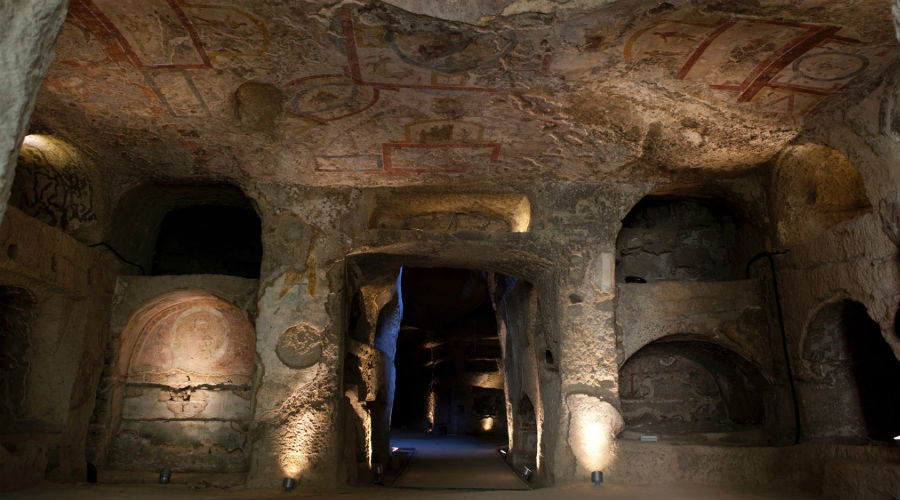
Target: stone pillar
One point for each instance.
(588, 368)
(387, 329)
(30, 28)
(296, 412)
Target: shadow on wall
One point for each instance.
(209, 239)
(209, 228)
(848, 380)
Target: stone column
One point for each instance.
(301, 312)
(588, 368)
(387, 329)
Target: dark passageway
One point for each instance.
(449, 402)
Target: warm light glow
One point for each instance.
(515, 209)
(57, 151)
(595, 444)
(592, 427)
(36, 141)
(430, 404)
(298, 434)
(487, 423)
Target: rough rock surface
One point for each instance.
(519, 139)
(30, 30)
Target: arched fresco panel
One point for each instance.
(187, 393)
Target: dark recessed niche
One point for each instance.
(209, 239)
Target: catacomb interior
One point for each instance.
(246, 241)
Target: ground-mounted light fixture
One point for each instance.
(379, 473)
(897, 438)
(597, 478)
(503, 452)
(526, 473)
(288, 484)
(165, 475)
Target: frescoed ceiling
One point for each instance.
(367, 93)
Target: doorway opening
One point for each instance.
(427, 381)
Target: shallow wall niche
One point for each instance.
(665, 238)
(186, 363)
(683, 389)
(451, 212)
(209, 239)
(816, 188)
(848, 377)
(217, 232)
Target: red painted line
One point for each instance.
(776, 56)
(800, 88)
(388, 148)
(397, 86)
(350, 40)
(702, 48)
(386, 161)
(114, 44)
(845, 40)
(195, 37)
(791, 24)
(375, 97)
(315, 77)
(766, 71)
(460, 145)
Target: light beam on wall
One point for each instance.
(430, 404)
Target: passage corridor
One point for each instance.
(456, 463)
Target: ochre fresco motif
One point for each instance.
(787, 67)
(200, 341)
(371, 57)
(439, 146)
(426, 63)
(163, 39)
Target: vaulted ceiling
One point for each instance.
(369, 94)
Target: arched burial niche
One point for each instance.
(191, 228)
(679, 239)
(848, 383)
(450, 360)
(681, 388)
(185, 364)
(209, 239)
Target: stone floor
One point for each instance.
(455, 463)
(442, 468)
(574, 492)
